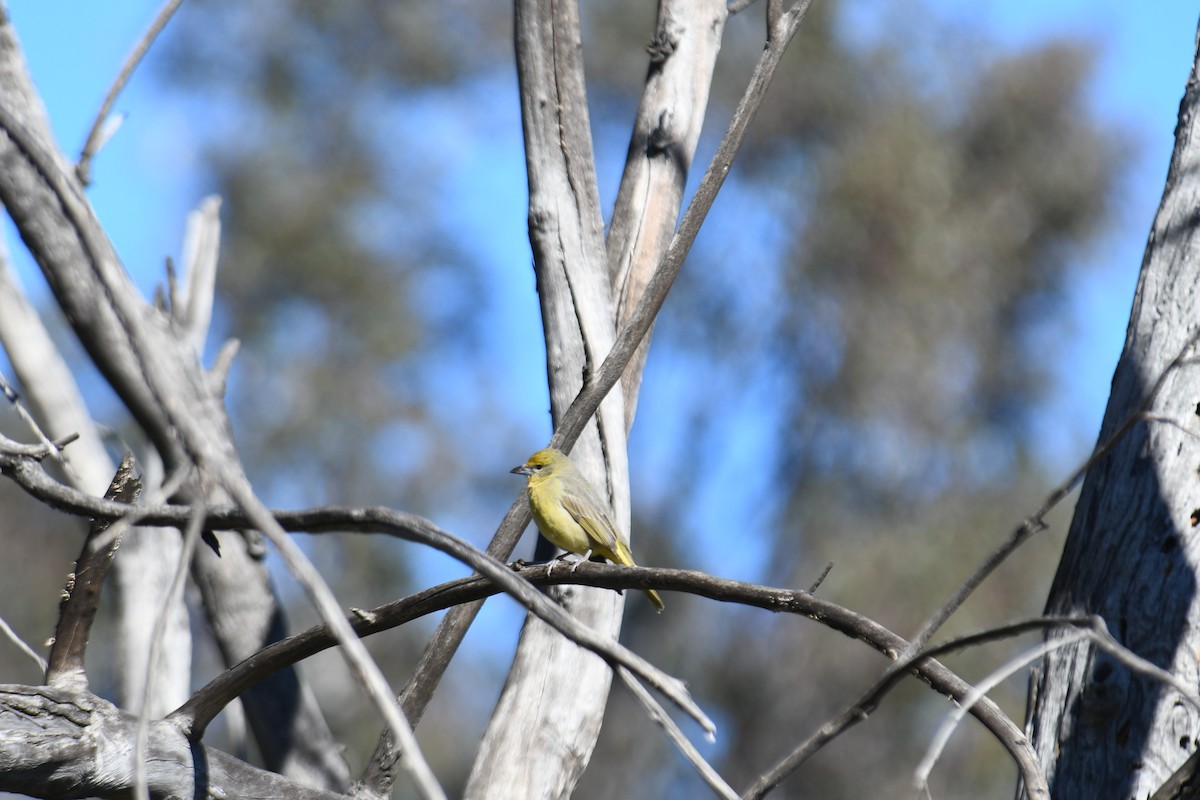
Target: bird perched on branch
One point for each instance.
(570, 513)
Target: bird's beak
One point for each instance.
(521, 470)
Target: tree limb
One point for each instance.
(81, 597)
(95, 140)
(58, 742)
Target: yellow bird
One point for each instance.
(571, 514)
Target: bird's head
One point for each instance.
(543, 462)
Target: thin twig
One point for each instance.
(1187, 431)
(21, 645)
(94, 139)
(660, 716)
(1035, 523)
(1093, 628)
(821, 578)
(977, 693)
(51, 448)
(35, 451)
(454, 625)
(174, 594)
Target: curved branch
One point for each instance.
(1034, 523)
(210, 699)
(454, 626)
(95, 140)
(28, 473)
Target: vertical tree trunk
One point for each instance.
(546, 723)
(1132, 553)
(544, 728)
(683, 55)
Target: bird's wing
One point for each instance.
(596, 522)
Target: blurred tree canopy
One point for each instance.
(850, 365)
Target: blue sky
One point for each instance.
(144, 182)
(74, 51)
(146, 179)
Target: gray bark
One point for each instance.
(545, 725)
(1132, 553)
(282, 712)
(669, 120)
(148, 557)
(148, 357)
(62, 743)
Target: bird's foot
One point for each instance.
(585, 557)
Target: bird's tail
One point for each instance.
(621, 555)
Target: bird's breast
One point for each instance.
(555, 522)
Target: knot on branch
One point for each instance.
(662, 137)
(661, 47)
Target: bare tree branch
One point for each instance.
(137, 577)
(454, 625)
(683, 55)
(660, 717)
(69, 742)
(1035, 523)
(155, 373)
(942, 736)
(47, 446)
(81, 597)
(22, 645)
(95, 138)
(1092, 627)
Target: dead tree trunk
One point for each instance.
(1132, 554)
